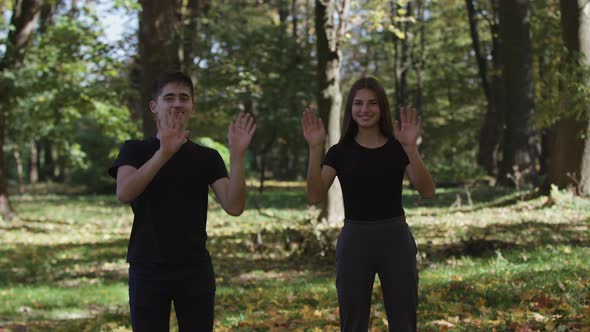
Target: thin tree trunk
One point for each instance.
(488, 134)
(34, 163)
(401, 56)
(329, 36)
(19, 169)
(420, 61)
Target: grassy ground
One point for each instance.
(490, 260)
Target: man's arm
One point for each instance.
(131, 182)
(231, 192)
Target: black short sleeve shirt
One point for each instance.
(371, 179)
(170, 216)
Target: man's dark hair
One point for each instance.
(172, 77)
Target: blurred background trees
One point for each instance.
(502, 85)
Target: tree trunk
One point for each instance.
(401, 63)
(24, 18)
(420, 58)
(34, 163)
(19, 169)
(190, 36)
(569, 156)
(519, 149)
(329, 35)
(488, 134)
(159, 26)
(584, 40)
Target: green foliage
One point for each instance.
(73, 89)
(255, 65)
(453, 104)
(561, 77)
(68, 93)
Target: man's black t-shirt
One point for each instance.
(170, 216)
(371, 179)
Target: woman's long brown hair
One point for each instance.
(349, 127)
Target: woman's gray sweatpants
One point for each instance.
(385, 247)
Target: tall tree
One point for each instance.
(569, 146)
(25, 15)
(159, 49)
(401, 55)
(519, 143)
(330, 25)
(489, 133)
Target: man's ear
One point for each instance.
(152, 106)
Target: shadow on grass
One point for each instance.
(302, 248)
(484, 241)
(99, 319)
(460, 199)
(41, 264)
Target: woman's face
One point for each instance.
(365, 109)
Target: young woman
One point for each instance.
(370, 161)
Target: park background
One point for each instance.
(502, 87)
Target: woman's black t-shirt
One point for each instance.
(371, 178)
(170, 215)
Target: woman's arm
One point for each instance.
(319, 179)
(406, 132)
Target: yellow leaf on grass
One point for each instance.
(550, 325)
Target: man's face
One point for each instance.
(176, 100)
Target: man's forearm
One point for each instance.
(236, 194)
(130, 186)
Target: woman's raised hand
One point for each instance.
(407, 130)
(313, 129)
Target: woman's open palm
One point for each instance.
(313, 129)
(407, 130)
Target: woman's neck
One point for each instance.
(370, 138)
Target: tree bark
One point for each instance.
(19, 169)
(569, 156)
(401, 63)
(159, 48)
(329, 36)
(520, 141)
(34, 163)
(489, 131)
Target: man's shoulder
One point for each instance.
(135, 142)
(202, 151)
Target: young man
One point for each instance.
(165, 179)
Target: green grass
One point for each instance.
(490, 259)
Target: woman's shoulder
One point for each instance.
(339, 147)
